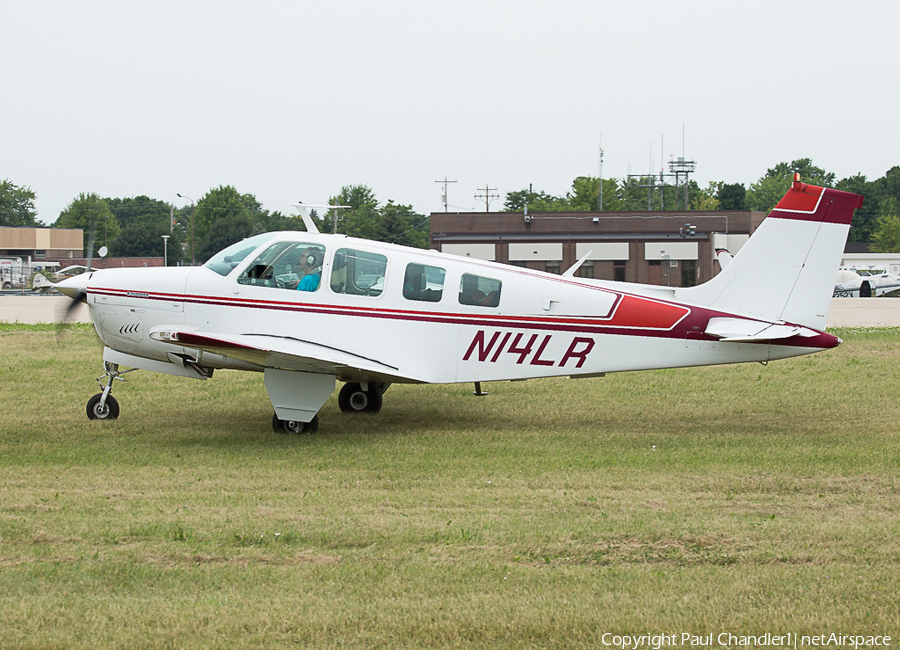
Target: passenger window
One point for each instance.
(425, 283)
(476, 290)
(358, 272)
(287, 265)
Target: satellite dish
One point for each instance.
(103, 251)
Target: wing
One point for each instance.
(284, 353)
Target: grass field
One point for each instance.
(742, 499)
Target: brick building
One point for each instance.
(662, 248)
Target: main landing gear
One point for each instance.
(103, 406)
(362, 397)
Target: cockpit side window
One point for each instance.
(479, 291)
(424, 283)
(287, 265)
(357, 272)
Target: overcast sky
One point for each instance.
(292, 100)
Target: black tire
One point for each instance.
(7, 285)
(353, 399)
(110, 411)
(294, 426)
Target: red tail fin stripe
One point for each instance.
(801, 200)
(805, 203)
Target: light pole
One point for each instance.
(165, 250)
(193, 205)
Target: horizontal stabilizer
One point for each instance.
(750, 331)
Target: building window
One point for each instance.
(688, 273)
(552, 267)
(619, 271)
(586, 270)
(40, 254)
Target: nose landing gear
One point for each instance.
(103, 406)
(294, 426)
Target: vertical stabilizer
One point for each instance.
(785, 271)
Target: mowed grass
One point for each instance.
(744, 499)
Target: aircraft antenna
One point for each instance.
(444, 196)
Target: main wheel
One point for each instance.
(294, 426)
(108, 411)
(353, 399)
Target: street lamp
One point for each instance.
(165, 250)
(193, 205)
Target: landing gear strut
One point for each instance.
(103, 406)
(361, 397)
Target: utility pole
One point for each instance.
(600, 174)
(444, 196)
(193, 205)
(487, 196)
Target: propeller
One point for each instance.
(76, 286)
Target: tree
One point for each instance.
(224, 232)
(863, 226)
(219, 203)
(361, 219)
(143, 222)
(17, 206)
(393, 223)
(581, 198)
(90, 213)
(536, 201)
(401, 225)
(886, 238)
(732, 197)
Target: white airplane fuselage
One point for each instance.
(544, 325)
(380, 313)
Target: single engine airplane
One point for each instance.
(853, 283)
(308, 308)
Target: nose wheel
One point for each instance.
(294, 426)
(100, 409)
(103, 406)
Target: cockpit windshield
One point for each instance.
(224, 261)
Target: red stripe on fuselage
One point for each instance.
(628, 312)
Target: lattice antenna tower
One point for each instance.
(682, 170)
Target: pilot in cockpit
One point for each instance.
(310, 264)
